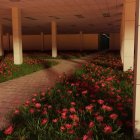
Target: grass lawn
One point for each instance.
(10, 71)
(33, 61)
(93, 104)
(61, 54)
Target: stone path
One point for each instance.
(17, 91)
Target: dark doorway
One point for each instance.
(103, 42)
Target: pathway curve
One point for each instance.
(17, 91)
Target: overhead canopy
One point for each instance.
(72, 16)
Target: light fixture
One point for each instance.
(30, 18)
(119, 6)
(79, 16)
(55, 17)
(118, 20)
(106, 35)
(14, 0)
(106, 14)
(118, 14)
(109, 24)
(8, 19)
(73, 25)
(91, 25)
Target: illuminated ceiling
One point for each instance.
(72, 16)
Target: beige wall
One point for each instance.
(47, 42)
(64, 41)
(90, 41)
(31, 42)
(69, 42)
(6, 42)
(78, 42)
(114, 41)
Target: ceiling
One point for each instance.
(72, 16)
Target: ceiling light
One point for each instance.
(14, 0)
(106, 35)
(8, 19)
(91, 25)
(55, 17)
(24, 26)
(51, 16)
(73, 25)
(79, 16)
(118, 14)
(119, 6)
(109, 24)
(118, 20)
(30, 18)
(106, 14)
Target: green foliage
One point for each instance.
(95, 103)
(10, 71)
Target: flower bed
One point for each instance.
(61, 54)
(108, 60)
(95, 103)
(10, 71)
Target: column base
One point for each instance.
(54, 51)
(137, 135)
(128, 63)
(54, 55)
(1, 53)
(18, 59)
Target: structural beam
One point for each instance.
(81, 41)
(54, 39)
(17, 36)
(128, 32)
(136, 109)
(8, 41)
(42, 41)
(1, 41)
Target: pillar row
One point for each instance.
(1, 41)
(128, 34)
(17, 36)
(8, 41)
(54, 39)
(42, 41)
(122, 37)
(136, 109)
(81, 41)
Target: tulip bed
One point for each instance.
(93, 104)
(10, 71)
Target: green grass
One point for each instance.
(23, 69)
(81, 92)
(33, 62)
(61, 55)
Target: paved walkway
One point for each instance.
(17, 91)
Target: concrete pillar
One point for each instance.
(136, 109)
(1, 41)
(81, 41)
(54, 39)
(122, 37)
(128, 34)
(8, 41)
(17, 36)
(42, 41)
